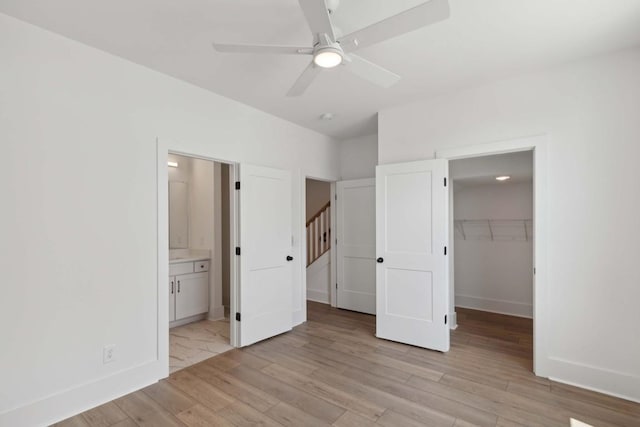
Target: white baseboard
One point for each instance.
(613, 383)
(70, 402)
(187, 320)
(318, 296)
(299, 317)
(495, 306)
(216, 313)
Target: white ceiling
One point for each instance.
(483, 170)
(483, 40)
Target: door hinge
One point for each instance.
(445, 250)
(445, 181)
(445, 319)
(237, 185)
(237, 250)
(238, 317)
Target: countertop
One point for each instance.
(188, 259)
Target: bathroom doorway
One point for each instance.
(201, 212)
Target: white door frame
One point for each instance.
(162, 154)
(537, 144)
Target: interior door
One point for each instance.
(411, 240)
(356, 245)
(266, 286)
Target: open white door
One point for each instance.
(411, 240)
(356, 246)
(265, 240)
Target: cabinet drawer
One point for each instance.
(180, 268)
(199, 266)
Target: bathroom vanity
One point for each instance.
(188, 289)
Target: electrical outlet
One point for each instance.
(109, 354)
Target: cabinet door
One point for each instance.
(192, 294)
(172, 298)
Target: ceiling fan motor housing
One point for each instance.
(327, 53)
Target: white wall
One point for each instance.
(358, 157)
(205, 231)
(318, 194)
(319, 279)
(494, 275)
(589, 109)
(79, 241)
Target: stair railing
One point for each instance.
(319, 234)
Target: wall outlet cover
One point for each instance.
(109, 354)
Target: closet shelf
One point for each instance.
(494, 229)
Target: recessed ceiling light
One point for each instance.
(326, 116)
(503, 177)
(172, 164)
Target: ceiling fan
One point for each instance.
(330, 49)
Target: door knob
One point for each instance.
(380, 260)
(289, 258)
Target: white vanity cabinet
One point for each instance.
(188, 289)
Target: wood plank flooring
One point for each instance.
(333, 371)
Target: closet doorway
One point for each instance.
(493, 251)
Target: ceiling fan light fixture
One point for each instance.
(328, 57)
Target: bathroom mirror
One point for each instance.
(178, 215)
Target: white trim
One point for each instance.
(217, 313)
(538, 144)
(303, 245)
(511, 308)
(67, 403)
(162, 223)
(599, 380)
(333, 212)
(187, 320)
(317, 296)
(234, 268)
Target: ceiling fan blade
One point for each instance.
(264, 49)
(371, 72)
(410, 20)
(305, 80)
(317, 15)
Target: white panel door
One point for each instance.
(266, 286)
(356, 246)
(412, 235)
(192, 294)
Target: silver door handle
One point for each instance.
(178, 286)
(172, 285)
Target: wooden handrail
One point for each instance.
(322, 209)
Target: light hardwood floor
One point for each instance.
(333, 371)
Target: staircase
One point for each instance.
(319, 234)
